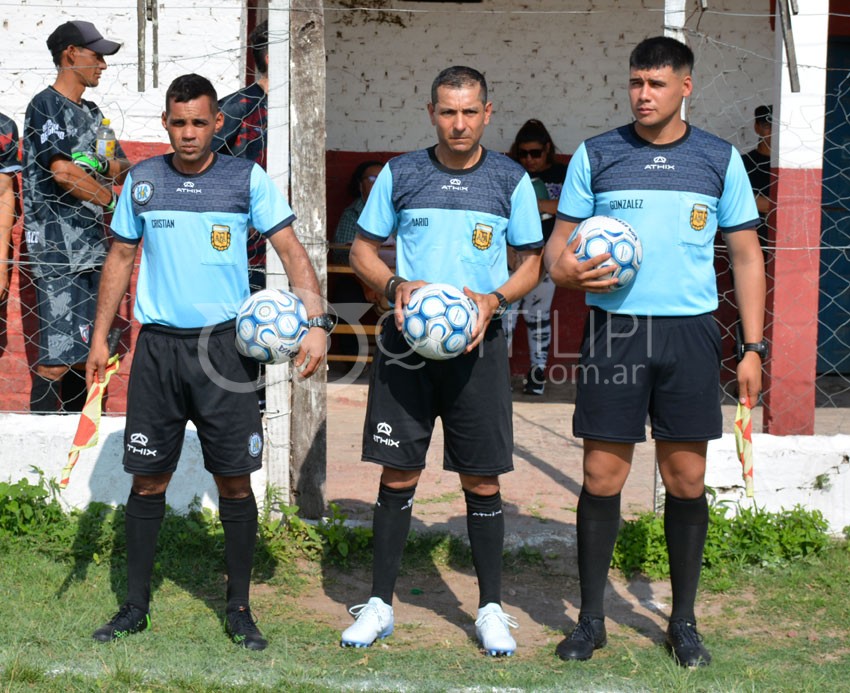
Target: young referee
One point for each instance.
(193, 208)
(456, 207)
(654, 348)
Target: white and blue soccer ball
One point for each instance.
(270, 326)
(603, 234)
(438, 321)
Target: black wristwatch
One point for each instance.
(759, 347)
(503, 304)
(326, 321)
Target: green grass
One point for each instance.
(779, 629)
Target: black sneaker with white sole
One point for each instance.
(535, 382)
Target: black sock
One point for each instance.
(44, 395)
(239, 520)
(74, 391)
(485, 525)
(685, 527)
(597, 525)
(390, 526)
(142, 519)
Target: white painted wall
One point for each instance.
(565, 63)
(813, 471)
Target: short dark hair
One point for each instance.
(357, 176)
(661, 51)
(188, 88)
(533, 131)
(258, 42)
(457, 77)
(764, 115)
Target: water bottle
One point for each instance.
(105, 145)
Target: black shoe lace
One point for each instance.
(243, 623)
(125, 616)
(685, 635)
(584, 630)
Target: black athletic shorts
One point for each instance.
(66, 308)
(631, 366)
(192, 375)
(471, 394)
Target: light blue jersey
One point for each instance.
(453, 226)
(676, 197)
(194, 269)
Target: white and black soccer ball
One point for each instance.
(603, 234)
(270, 326)
(438, 321)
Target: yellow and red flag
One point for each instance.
(87, 429)
(744, 443)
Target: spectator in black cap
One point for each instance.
(68, 187)
(757, 163)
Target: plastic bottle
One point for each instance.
(105, 140)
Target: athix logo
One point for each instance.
(384, 429)
(138, 445)
(189, 187)
(659, 163)
(456, 185)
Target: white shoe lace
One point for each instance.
(494, 625)
(368, 615)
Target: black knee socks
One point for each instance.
(390, 526)
(44, 395)
(142, 519)
(485, 525)
(239, 520)
(597, 525)
(685, 528)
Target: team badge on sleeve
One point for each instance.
(699, 217)
(220, 237)
(142, 192)
(482, 236)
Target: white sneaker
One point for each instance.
(374, 620)
(491, 627)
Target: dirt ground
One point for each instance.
(540, 498)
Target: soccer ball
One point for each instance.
(438, 321)
(602, 234)
(270, 326)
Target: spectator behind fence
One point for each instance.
(244, 135)
(534, 149)
(757, 163)
(661, 328)
(359, 187)
(67, 190)
(9, 167)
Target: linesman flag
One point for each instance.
(744, 443)
(87, 429)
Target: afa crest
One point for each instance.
(482, 236)
(699, 217)
(220, 237)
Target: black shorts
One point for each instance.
(471, 394)
(667, 367)
(66, 308)
(192, 375)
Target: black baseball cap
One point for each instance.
(764, 114)
(83, 34)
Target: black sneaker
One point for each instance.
(242, 629)
(535, 381)
(129, 619)
(685, 644)
(588, 635)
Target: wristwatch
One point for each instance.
(326, 321)
(503, 304)
(759, 347)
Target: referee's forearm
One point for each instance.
(114, 280)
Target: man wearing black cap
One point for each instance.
(67, 190)
(757, 163)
